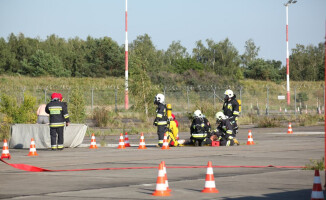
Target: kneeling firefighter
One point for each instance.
(200, 128)
(225, 131)
(173, 130)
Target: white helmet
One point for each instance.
(220, 116)
(229, 93)
(159, 98)
(198, 114)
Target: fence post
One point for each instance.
(240, 92)
(295, 100)
(45, 95)
(92, 99)
(116, 99)
(267, 103)
(214, 90)
(187, 99)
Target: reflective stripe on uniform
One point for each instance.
(195, 135)
(66, 116)
(57, 124)
(159, 115)
(162, 123)
(235, 112)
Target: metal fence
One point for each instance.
(264, 100)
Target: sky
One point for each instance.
(165, 21)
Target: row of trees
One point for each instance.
(209, 63)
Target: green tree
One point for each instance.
(251, 52)
(77, 106)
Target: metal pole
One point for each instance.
(187, 98)
(287, 57)
(267, 101)
(92, 99)
(126, 59)
(295, 101)
(116, 100)
(214, 90)
(45, 96)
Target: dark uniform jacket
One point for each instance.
(58, 113)
(224, 129)
(200, 125)
(231, 108)
(161, 115)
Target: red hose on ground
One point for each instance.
(31, 168)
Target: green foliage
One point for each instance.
(101, 117)
(315, 165)
(77, 106)
(302, 97)
(263, 70)
(5, 123)
(18, 113)
(268, 122)
(310, 120)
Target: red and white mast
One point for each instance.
(126, 58)
(287, 51)
(287, 57)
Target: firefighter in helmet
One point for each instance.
(59, 117)
(225, 132)
(231, 108)
(161, 118)
(199, 129)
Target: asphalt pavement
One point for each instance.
(240, 172)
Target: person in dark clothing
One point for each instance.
(161, 119)
(199, 129)
(59, 117)
(225, 132)
(231, 108)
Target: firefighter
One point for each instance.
(58, 118)
(199, 129)
(225, 132)
(231, 108)
(161, 118)
(173, 131)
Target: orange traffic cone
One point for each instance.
(165, 142)
(127, 144)
(250, 139)
(5, 150)
(142, 144)
(290, 128)
(93, 142)
(32, 149)
(210, 182)
(317, 192)
(166, 177)
(121, 142)
(160, 183)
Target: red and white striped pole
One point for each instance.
(287, 56)
(287, 50)
(126, 59)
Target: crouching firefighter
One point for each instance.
(161, 118)
(58, 119)
(225, 131)
(172, 128)
(199, 129)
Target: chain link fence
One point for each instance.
(262, 100)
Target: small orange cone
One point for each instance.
(210, 182)
(166, 177)
(93, 142)
(121, 142)
(127, 144)
(32, 149)
(165, 142)
(250, 139)
(160, 183)
(142, 144)
(290, 128)
(317, 191)
(5, 150)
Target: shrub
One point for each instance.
(77, 107)
(101, 117)
(268, 122)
